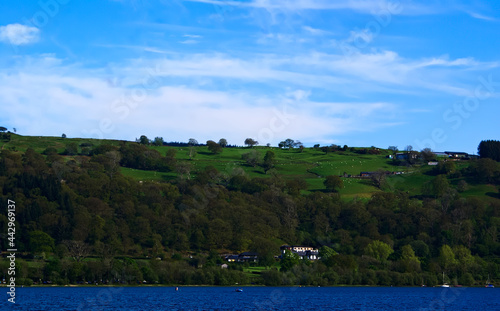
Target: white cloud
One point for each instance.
(48, 98)
(18, 34)
(189, 41)
(361, 6)
(483, 17)
(315, 31)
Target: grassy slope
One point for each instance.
(311, 165)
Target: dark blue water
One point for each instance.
(253, 298)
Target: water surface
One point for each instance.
(253, 298)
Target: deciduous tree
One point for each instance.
(214, 147)
(378, 250)
(251, 158)
(333, 183)
(143, 140)
(269, 160)
(251, 142)
(489, 149)
(192, 142)
(158, 141)
(223, 142)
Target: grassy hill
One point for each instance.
(309, 164)
(173, 211)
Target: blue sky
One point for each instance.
(361, 73)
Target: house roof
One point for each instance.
(249, 254)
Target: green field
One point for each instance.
(311, 165)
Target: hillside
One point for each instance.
(310, 164)
(119, 211)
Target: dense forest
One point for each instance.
(79, 220)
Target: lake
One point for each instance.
(253, 298)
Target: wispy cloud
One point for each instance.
(189, 41)
(18, 34)
(360, 6)
(483, 17)
(77, 103)
(383, 72)
(316, 31)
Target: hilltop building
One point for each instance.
(304, 252)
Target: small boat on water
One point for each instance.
(444, 285)
(488, 284)
(239, 290)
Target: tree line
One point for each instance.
(79, 219)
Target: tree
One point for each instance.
(269, 160)
(63, 135)
(287, 143)
(251, 158)
(462, 186)
(333, 183)
(3, 129)
(447, 258)
(489, 149)
(192, 142)
(250, 142)
(71, 148)
(440, 185)
(409, 260)
(327, 255)
(184, 170)
(214, 147)
(289, 260)
(78, 250)
(394, 149)
(485, 169)
(158, 141)
(266, 250)
(379, 178)
(40, 242)
(378, 250)
(223, 142)
(143, 140)
(428, 155)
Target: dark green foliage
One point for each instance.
(158, 141)
(333, 183)
(251, 158)
(289, 260)
(251, 142)
(141, 157)
(71, 149)
(223, 142)
(269, 160)
(94, 224)
(214, 147)
(143, 140)
(489, 149)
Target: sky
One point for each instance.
(359, 73)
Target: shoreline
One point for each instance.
(238, 286)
